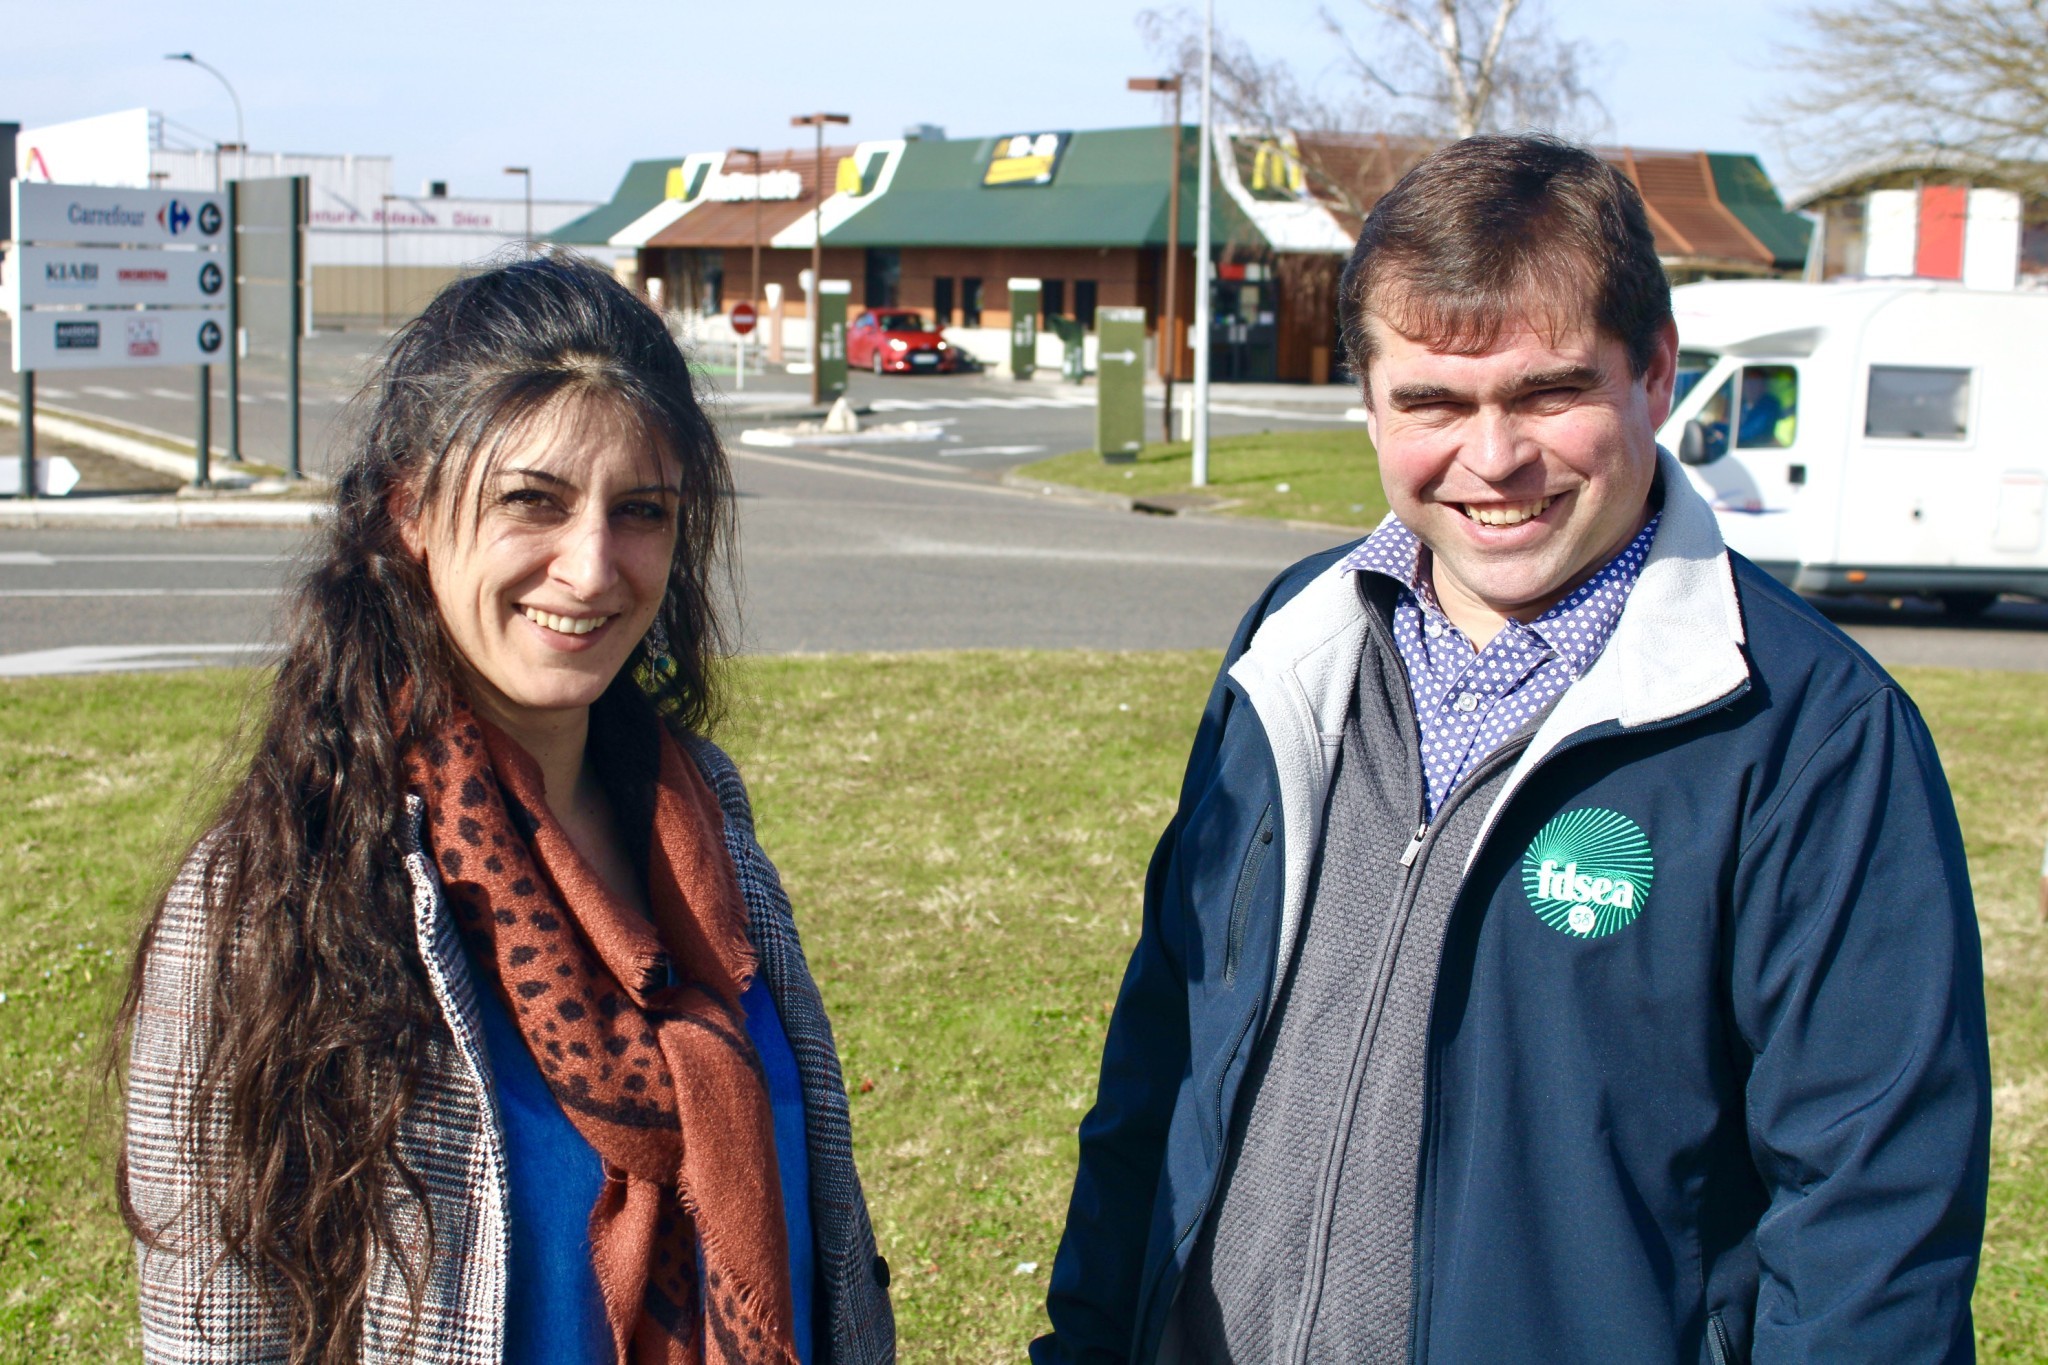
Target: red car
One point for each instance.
(892, 342)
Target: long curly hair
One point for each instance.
(317, 1017)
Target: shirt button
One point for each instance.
(1468, 701)
(1432, 629)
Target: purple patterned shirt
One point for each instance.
(1468, 703)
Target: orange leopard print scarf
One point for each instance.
(660, 1078)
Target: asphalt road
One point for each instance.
(872, 550)
(972, 420)
(836, 554)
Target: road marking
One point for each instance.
(52, 391)
(175, 395)
(993, 450)
(104, 392)
(138, 592)
(817, 466)
(942, 549)
(36, 557)
(115, 658)
(972, 404)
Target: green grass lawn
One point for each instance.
(1328, 475)
(964, 836)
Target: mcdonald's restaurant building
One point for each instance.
(941, 226)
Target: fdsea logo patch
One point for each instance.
(1588, 872)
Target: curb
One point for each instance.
(1069, 493)
(159, 514)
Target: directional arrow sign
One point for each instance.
(54, 477)
(1119, 383)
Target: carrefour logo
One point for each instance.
(174, 217)
(1588, 872)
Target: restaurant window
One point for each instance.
(970, 301)
(1084, 302)
(1054, 301)
(884, 277)
(942, 300)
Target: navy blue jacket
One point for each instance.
(1752, 1123)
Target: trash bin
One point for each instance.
(1073, 362)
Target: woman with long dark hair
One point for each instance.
(476, 1028)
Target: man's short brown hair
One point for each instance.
(1495, 228)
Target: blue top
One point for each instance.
(554, 1311)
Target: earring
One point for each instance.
(656, 671)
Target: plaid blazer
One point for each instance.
(453, 1140)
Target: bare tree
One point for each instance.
(1952, 82)
(1460, 67)
(1438, 70)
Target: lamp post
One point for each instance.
(817, 121)
(1203, 287)
(241, 137)
(525, 174)
(1169, 340)
(384, 271)
(753, 154)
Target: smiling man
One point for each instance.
(1563, 948)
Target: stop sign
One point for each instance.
(743, 318)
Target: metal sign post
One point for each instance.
(110, 278)
(234, 351)
(1119, 383)
(28, 434)
(270, 262)
(831, 338)
(1024, 297)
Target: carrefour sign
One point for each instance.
(90, 215)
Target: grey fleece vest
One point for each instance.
(1308, 1252)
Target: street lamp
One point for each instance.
(1169, 339)
(526, 174)
(384, 273)
(754, 280)
(241, 137)
(817, 121)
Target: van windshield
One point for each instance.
(1692, 368)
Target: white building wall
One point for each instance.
(1891, 227)
(1991, 240)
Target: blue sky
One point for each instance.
(457, 92)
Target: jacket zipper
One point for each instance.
(1718, 1349)
(1425, 835)
(1241, 902)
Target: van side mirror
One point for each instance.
(1692, 444)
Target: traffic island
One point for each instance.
(1324, 478)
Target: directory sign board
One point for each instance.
(112, 275)
(1119, 383)
(113, 278)
(1024, 297)
(106, 339)
(831, 360)
(98, 216)
(270, 258)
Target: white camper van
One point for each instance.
(1871, 436)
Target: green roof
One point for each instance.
(645, 185)
(1109, 191)
(1747, 192)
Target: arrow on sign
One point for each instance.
(54, 477)
(1120, 357)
